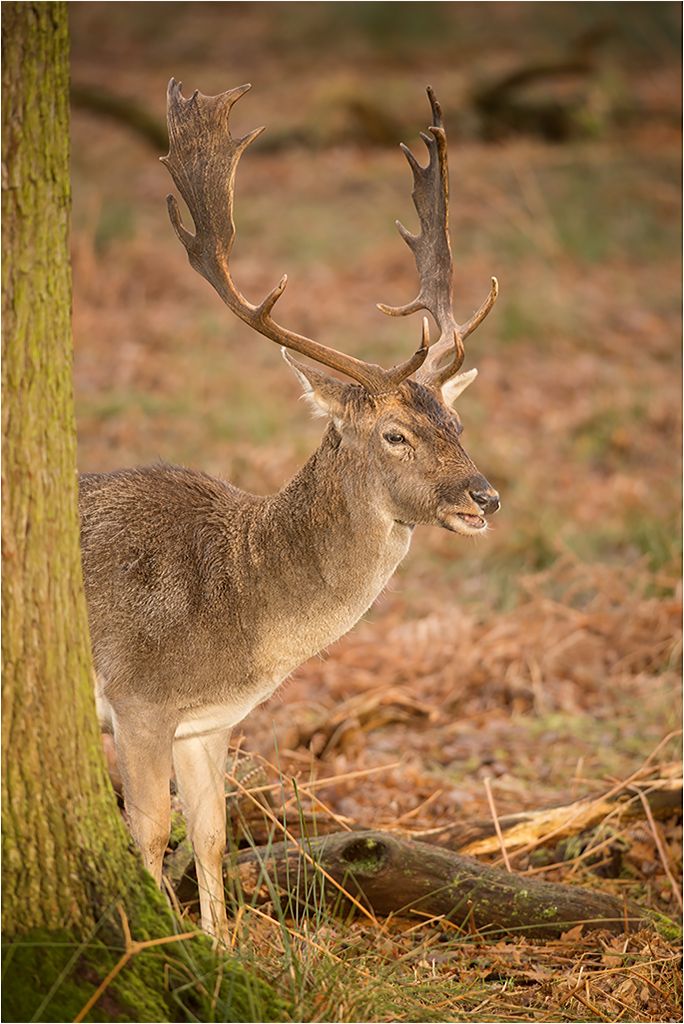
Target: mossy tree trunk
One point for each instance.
(63, 842)
(67, 859)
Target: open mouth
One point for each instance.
(463, 522)
(476, 522)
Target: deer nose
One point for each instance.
(487, 498)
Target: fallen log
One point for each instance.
(388, 874)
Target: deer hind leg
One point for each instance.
(144, 748)
(200, 763)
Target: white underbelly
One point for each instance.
(197, 721)
(216, 717)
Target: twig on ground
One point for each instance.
(661, 849)
(497, 826)
(132, 947)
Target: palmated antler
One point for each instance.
(203, 158)
(432, 252)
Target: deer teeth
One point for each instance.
(476, 521)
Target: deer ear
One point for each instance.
(324, 394)
(456, 386)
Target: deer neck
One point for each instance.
(333, 511)
(332, 549)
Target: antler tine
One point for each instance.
(203, 158)
(431, 250)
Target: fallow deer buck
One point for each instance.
(202, 598)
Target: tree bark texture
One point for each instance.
(390, 875)
(62, 838)
(67, 864)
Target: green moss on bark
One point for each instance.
(50, 976)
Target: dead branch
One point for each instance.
(533, 828)
(506, 107)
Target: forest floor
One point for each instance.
(542, 662)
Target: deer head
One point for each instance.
(401, 422)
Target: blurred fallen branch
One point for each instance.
(343, 728)
(659, 791)
(506, 108)
(549, 98)
(127, 112)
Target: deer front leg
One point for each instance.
(199, 763)
(143, 748)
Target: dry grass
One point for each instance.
(546, 658)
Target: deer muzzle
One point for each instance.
(463, 509)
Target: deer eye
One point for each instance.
(394, 438)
